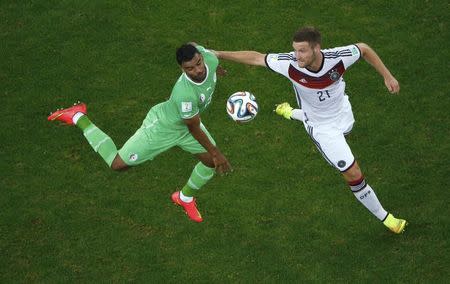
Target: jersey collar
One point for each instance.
(321, 66)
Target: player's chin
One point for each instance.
(201, 77)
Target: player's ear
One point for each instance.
(182, 68)
(317, 47)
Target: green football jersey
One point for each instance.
(189, 98)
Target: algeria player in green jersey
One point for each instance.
(175, 122)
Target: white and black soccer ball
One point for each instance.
(242, 106)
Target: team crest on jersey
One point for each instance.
(334, 75)
(202, 98)
(133, 157)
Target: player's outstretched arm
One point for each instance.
(245, 57)
(373, 59)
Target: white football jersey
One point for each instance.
(320, 94)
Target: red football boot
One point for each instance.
(190, 208)
(65, 115)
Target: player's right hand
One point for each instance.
(392, 85)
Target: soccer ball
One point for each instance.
(242, 106)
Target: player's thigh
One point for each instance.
(191, 145)
(331, 143)
(145, 145)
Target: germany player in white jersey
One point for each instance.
(325, 110)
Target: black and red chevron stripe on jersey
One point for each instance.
(321, 82)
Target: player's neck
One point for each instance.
(316, 65)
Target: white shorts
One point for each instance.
(330, 139)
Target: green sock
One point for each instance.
(99, 141)
(84, 122)
(199, 177)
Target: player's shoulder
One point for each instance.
(182, 89)
(201, 48)
(341, 51)
(284, 56)
(280, 61)
(204, 51)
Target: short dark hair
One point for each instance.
(309, 34)
(186, 52)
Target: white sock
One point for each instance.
(185, 198)
(369, 199)
(297, 114)
(76, 117)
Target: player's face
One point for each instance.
(305, 53)
(195, 68)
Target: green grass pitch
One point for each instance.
(283, 215)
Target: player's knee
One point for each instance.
(116, 167)
(353, 173)
(118, 164)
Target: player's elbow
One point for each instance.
(363, 48)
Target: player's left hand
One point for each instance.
(221, 71)
(392, 84)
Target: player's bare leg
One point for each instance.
(353, 173)
(366, 195)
